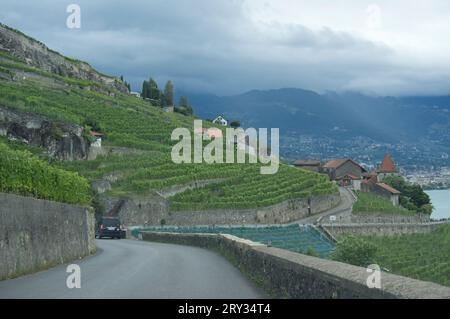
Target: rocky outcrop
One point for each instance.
(60, 140)
(36, 54)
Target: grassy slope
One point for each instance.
(134, 123)
(369, 203)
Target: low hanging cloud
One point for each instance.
(229, 46)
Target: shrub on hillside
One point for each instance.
(23, 173)
(355, 251)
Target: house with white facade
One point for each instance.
(220, 120)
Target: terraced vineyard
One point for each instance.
(239, 186)
(249, 189)
(420, 256)
(298, 238)
(145, 131)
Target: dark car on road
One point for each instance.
(109, 227)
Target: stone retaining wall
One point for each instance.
(381, 229)
(154, 210)
(286, 274)
(380, 218)
(284, 212)
(37, 234)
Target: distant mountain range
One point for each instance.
(419, 121)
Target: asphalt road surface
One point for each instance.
(344, 207)
(136, 269)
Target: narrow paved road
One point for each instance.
(135, 269)
(344, 207)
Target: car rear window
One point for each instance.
(109, 222)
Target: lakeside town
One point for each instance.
(430, 170)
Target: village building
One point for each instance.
(387, 168)
(220, 120)
(311, 165)
(350, 180)
(98, 139)
(345, 171)
(136, 94)
(372, 185)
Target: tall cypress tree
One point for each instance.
(168, 93)
(153, 90)
(145, 92)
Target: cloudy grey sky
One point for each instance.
(394, 47)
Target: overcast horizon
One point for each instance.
(229, 47)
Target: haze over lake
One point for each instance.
(441, 202)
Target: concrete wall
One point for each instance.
(381, 218)
(37, 234)
(154, 210)
(286, 274)
(380, 229)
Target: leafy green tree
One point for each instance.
(168, 93)
(185, 110)
(355, 251)
(426, 209)
(184, 107)
(412, 196)
(150, 90)
(235, 124)
(310, 251)
(93, 124)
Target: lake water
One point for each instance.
(441, 202)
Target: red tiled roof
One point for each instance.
(93, 133)
(388, 188)
(387, 166)
(335, 163)
(338, 162)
